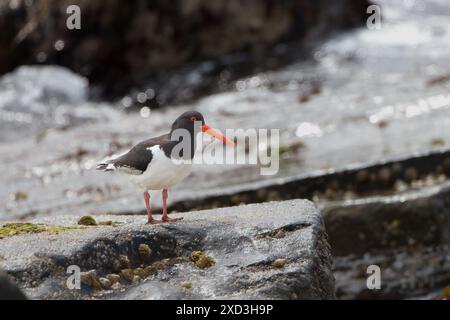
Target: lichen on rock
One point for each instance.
(201, 260)
(279, 263)
(144, 252)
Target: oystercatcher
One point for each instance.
(159, 163)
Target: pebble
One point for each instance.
(279, 263)
(113, 278)
(106, 284)
(136, 279)
(124, 262)
(127, 274)
(186, 284)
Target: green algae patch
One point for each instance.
(11, 229)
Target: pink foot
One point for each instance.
(165, 217)
(154, 221)
(169, 219)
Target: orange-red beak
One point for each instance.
(216, 134)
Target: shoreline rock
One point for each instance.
(8, 290)
(237, 245)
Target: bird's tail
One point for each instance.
(106, 166)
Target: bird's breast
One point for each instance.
(162, 172)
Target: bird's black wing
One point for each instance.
(137, 159)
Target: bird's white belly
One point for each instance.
(161, 173)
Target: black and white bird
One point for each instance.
(159, 163)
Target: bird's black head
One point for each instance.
(193, 122)
(188, 120)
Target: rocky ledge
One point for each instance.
(275, 250)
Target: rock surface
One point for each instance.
(419, 217)
(8, 290)
(238, 246)
(406, 272)
(406, 235)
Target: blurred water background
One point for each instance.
(341, 94)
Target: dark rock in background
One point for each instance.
(122, 43)
(420, 217)
(9, 291)
(405, 234)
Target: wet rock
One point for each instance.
(124, 261)
(155, 36)
(406, 235)
(136, 279)
(127, 274)
(106, 284)
(91, 279)
(186, 284)
(238, 239)
(411, 174)
(113, 278)
(8, 290)
(405, 272)
(420, 217)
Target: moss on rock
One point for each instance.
(87, 221)
(144, 252)
(202, 260)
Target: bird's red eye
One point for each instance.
(193, 119)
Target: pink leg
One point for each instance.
(165, 217)
(150, 219)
